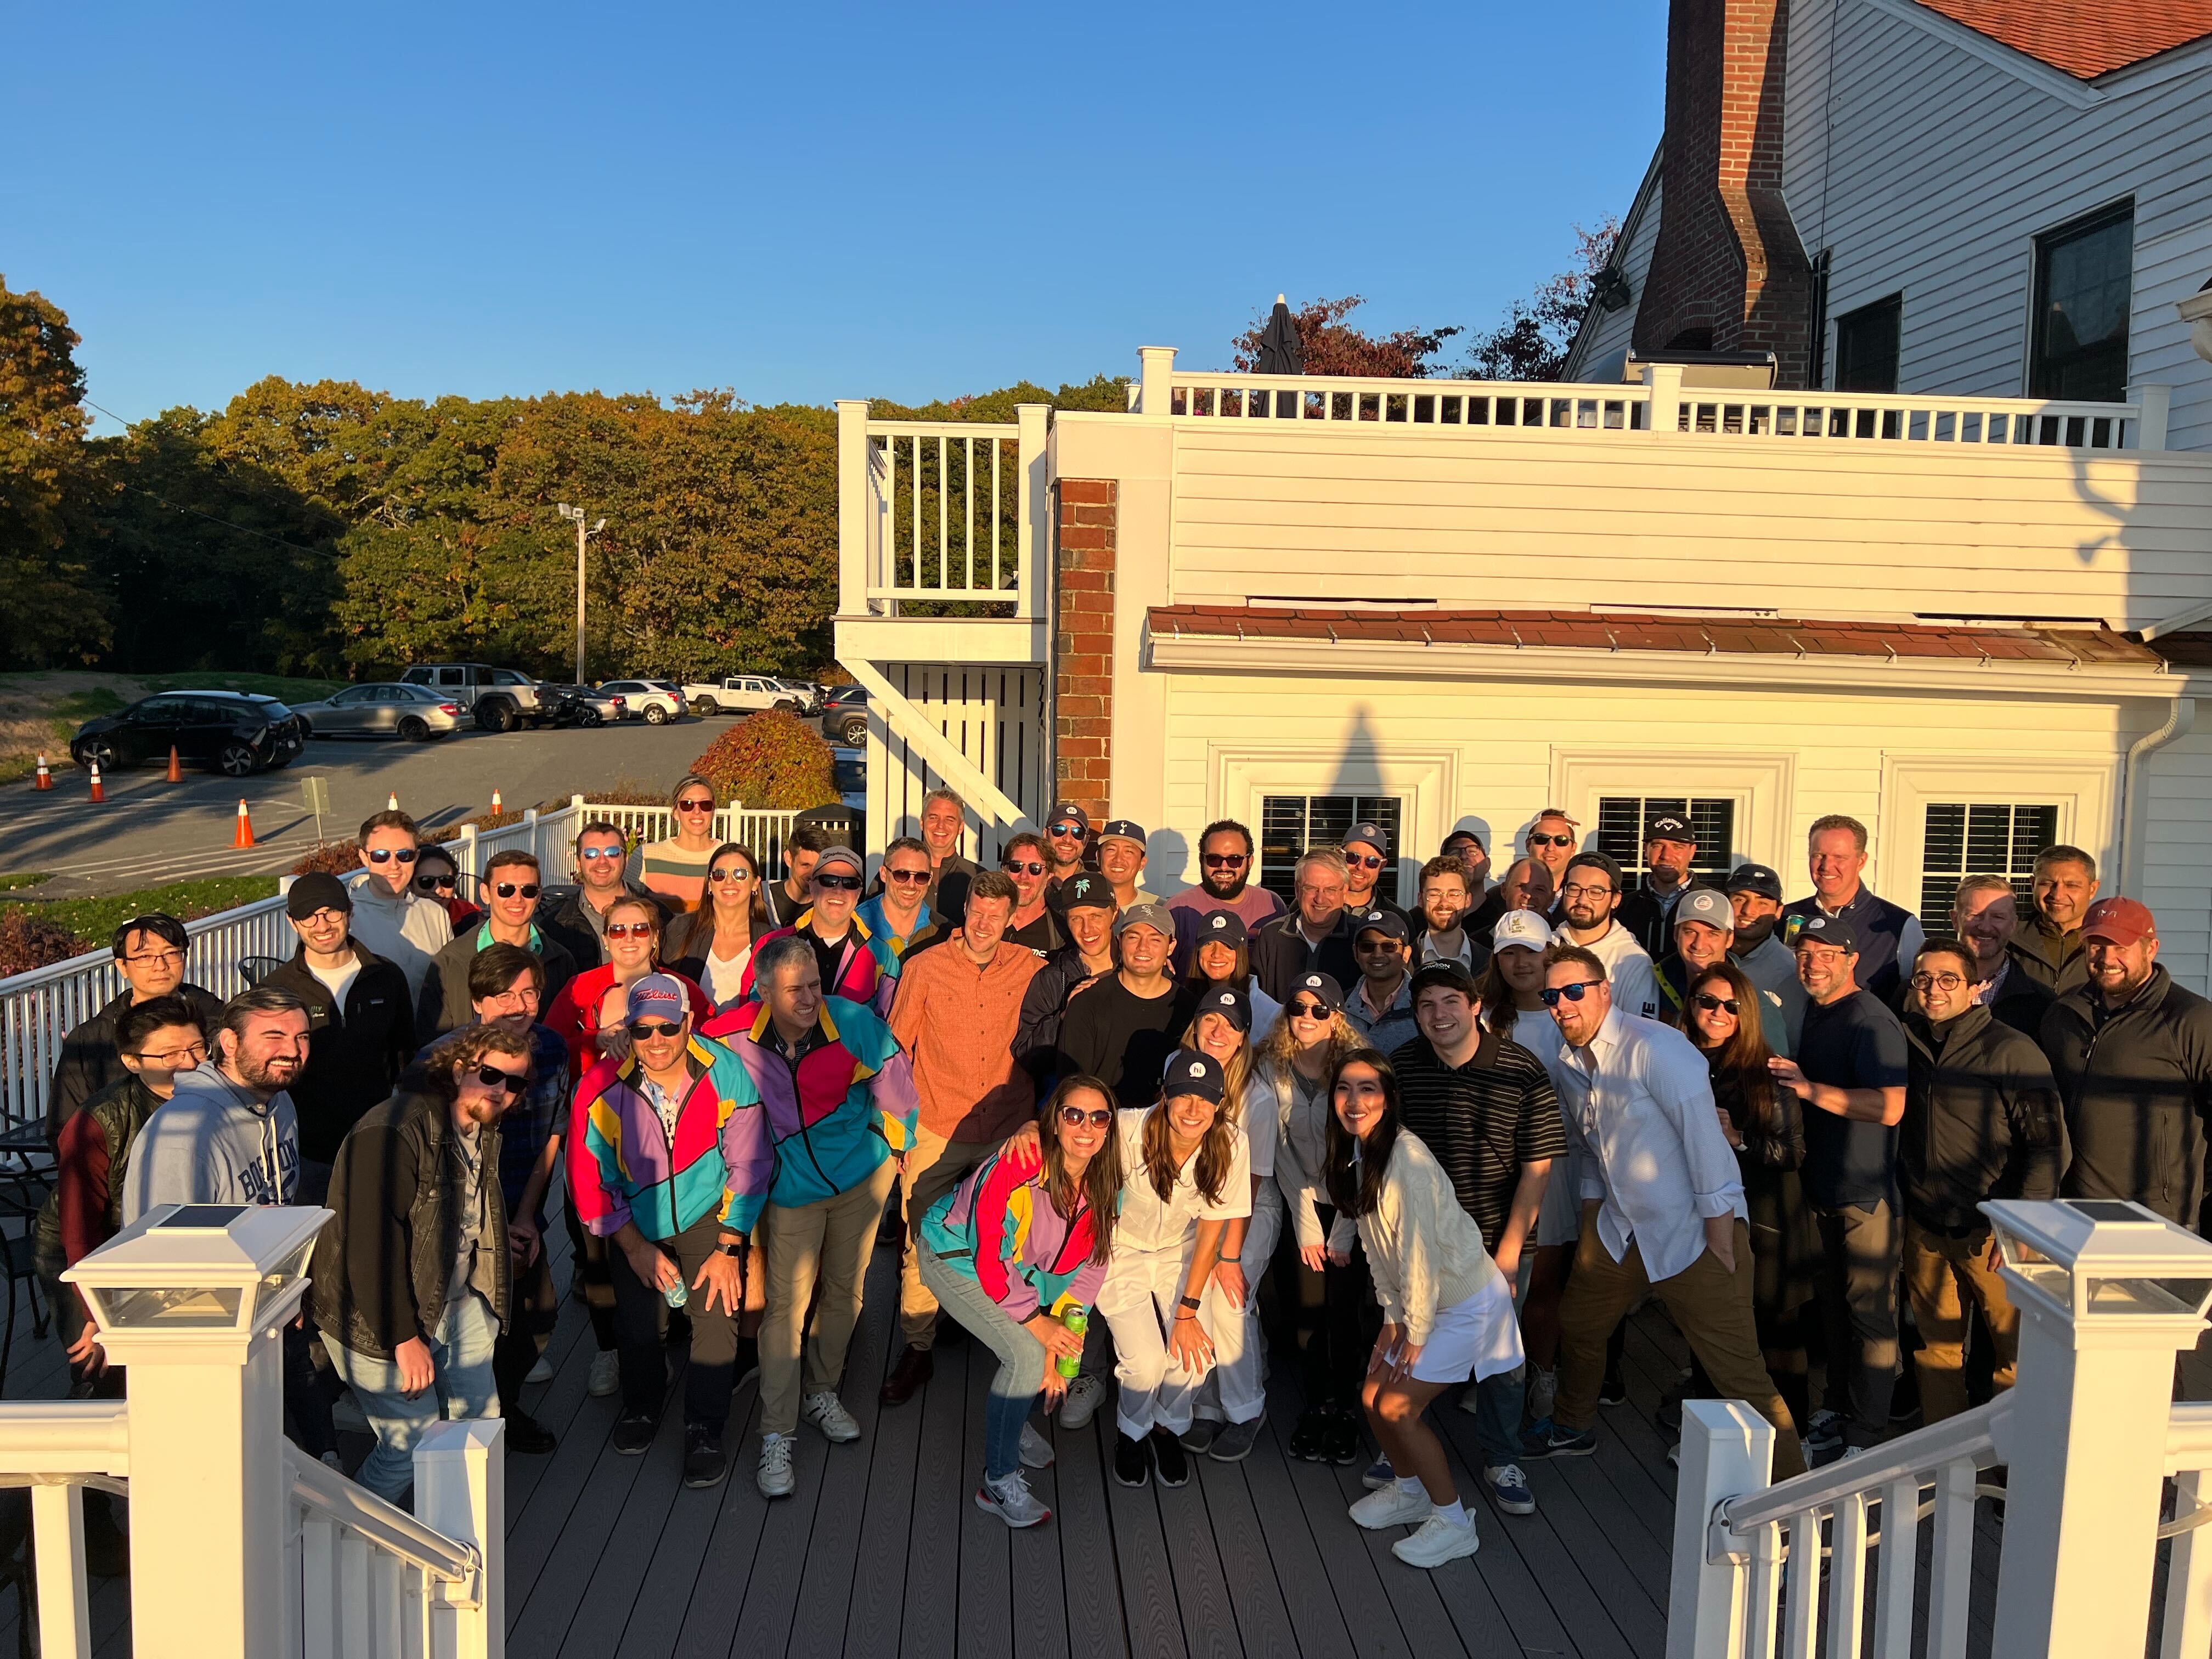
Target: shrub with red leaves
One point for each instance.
(772, 760)
(28, 941)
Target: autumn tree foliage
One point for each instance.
(1531, 344)
(772, 760)
(55, 612)
(1334, 347)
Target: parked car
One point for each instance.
(740, 694)
(581, 705)
(501, 699)
(413, 712)
(236, 732)
(852, 769)
(647, 700)
(845, 714)
(809, 693)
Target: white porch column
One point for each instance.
(192, 1300)
(854, 522)
(1157, 366)
(2109, 1293)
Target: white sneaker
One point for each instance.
(1011, 1501)
(542, 1371)
(1437, 1542)
(606, 1375)
(774, 1477)
(1081, 1403)
(827, 1412)
(1036, 1450)
(1392, 1507)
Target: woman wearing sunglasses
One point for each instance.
(1011, 1253)
(1220, 955)
(1447, 1311)
(1765, 1123)
(633, 947)
(713, 944)
(438, 879)
(676, 868)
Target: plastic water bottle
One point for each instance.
(1078, 1321)
(676, 1296)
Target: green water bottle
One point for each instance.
(1078, 1320)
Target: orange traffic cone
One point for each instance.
(245, 836)
(495, 807)
(176, 771)
(45, 779)
(393, 805)
(99, 793)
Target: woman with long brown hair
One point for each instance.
(676, 868)
(1220, 953)
(633, 945)
(712, 944)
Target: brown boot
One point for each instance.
(914, 1369)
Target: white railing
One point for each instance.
(59, 1448)
(932, 511)
(762, 831)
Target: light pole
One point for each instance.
(582, 536)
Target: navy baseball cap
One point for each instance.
(1229, 1003)
(1321, 988)
(1222, 927)
(1372, 833)
(1754, 878)
(1191, 1072)
(1389, 923)
(1068, 812)
(1833, 930)
(1124, 830)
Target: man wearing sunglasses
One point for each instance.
(1381, 1003)
(1467, 847)
(899, 910)
(856, 965)
(510, 892)
(1551, 841)
(149, 952)
(1587, 899)
(413, 1281)
(577, 916)
(1067, 846)
(1034, 926)
(1366, 856)
(1663, 1208)
(1225, 868)
(403, 926)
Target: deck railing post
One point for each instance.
(1728, 1449)
(460, 1489)
(2154, 404)
(1154, 396)
(1665, 380)
(1033, 508)
(854, 522)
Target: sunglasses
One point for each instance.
(1301, 1009)
(1708, 1001)
(1064, 832)
(591, 853)
(629, 930)
(838, 884)
(1075, 1117)
(509, 888)
(1226, 860)
(1031, 868)
(736, 875)
(1574, 992)
(436, 884)
(911, 877)
(1363, 861)
(1535, 840)
(1383, 944)
(387, 855)
(697, 804)
(492, 1078)
(643, 1031)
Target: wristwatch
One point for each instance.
(1190, 1301)
(736, 1249)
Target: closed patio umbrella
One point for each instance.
(1281, 351)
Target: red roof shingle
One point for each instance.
(2084, 38)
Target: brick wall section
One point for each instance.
(1083, 683)
(1728, 262)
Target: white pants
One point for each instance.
(1235, 1391)
(1139, 1298)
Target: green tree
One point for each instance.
(55, 612)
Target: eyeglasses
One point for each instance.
(1075, 1116)
(509, 890)
(644, 1031)
(436, 884)
(1708, 1001)
(696, 804)
(1535, 840)
(1301, 1009)
(1574, 992)
(588, 853)
(1945, 981)
(324, 917)
(493, 1077)
(838, 884)
(629, 930)
(1031, 868)
(194, 1052)
(1576, 890)
(1363, 861)
(908, 877)
(158, 959)
(1227, 860)
(388, 854)
(736, 874)
(1063, 832)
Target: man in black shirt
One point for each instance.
(149, 952)
(1034, 926)
(1850, 1072)
(1315, 937)
(1648, 913)
(1122, 1027)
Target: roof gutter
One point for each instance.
(2135, 778)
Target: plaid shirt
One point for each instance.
(537, 1118)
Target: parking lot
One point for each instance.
(150, 830)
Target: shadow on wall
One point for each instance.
(1169, 864)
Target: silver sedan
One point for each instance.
(413, 712)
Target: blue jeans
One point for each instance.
(1014, 1390)
(461, 1350)
(1499, 1402)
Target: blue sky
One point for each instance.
(903, 201)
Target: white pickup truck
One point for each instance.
(741, 694)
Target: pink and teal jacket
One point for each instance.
(624, 1167)
(1002, 1227)
(834, 1111)
(867, 967)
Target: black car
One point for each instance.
(845, 714)
(236, 732)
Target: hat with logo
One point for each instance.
(1523, 928)
(318, 891)
(839, 858)
(1154, 916)
(1231, 1004)
(1321, 988)
(1068, 812)
(1754, 878)
(1703, 904)
(1122, 829)
(1086, 892)
(1669, 826)
(1222, 927)
(1372, 833)
(1835, 931)
(1191, 1072)
(657, 996)
(2114, 920)
(1389, 923)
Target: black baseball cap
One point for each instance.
(1836, 930)
(1321, 988)
(1191, 1072)
(1754, 878)
(1086, 892)
(1372, 833)
(1126, 828)
(1229, 1002)
(1068, 812)
(1222, 927)
(1669, 826)
(317, 891)
(1389, 923)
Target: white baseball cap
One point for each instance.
(1522, 927)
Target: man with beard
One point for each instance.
(1467, 847)
(1754, 894)
(1225, 876)
(1442, 935)
(1669, 846)
(1587, 899)
(1066, 846)
(1527, 886)
(1034, 926)
(1986, 913)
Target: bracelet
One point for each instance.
(1180, 1317)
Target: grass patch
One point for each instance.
(95, 919)
(22, 878)
(89, 704)
(278, 686)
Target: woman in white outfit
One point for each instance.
(1232, 1403)
(1447, 1311)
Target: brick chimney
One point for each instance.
(1728, 273)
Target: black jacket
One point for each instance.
(561, 917)
(90, 1061)
(1649, 922)
(1036, 1039)
(355, 1055)
(444, 1005)
(1278, 954)
(2054, 960)
(2137, 1085)
(381, 1266)
(2022, 1000)
(1981, 1120)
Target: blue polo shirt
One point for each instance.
(1854, 1042)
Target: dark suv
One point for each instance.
(236, 732)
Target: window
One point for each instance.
(1979, 839)
(1292, 825)
(2082, 289)
(1866, 346)
(1621, 828)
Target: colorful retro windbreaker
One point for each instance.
(624, 1166)
(840, 1109)
(867, 966)
(1002, 1226)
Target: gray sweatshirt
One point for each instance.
(213, 1142)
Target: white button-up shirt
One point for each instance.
(1644, 1113)
(1149, 1222)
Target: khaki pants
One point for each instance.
(826, 1242)
(930, 1151)
(1710, 1305)
(1943, 1276)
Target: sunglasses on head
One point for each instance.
(641, 1030)
(509, 888)
(733, 874)
(1708, 1001)
(1574, 992)
(388, 855)
(1535, 840)
(1032, 867)
(838, 884)
(442, 884)
(1363, 860)
(492, 1078)
(1226, 860)
(1303, 1009)
(696, 804)
(1076, 1116)
(629, 930)
(908, 877)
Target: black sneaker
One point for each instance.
(1612, 1391)
(705, 1463)
(1306, 1439)
(634, 1432)
(1340, 1443)
(1133, 1462)
(526, 1434)
(1170, 1458)
(1559, 1443)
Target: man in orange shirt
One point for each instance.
(958, 1009)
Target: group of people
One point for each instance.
(1120, 1134)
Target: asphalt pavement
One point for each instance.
(150, 831)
